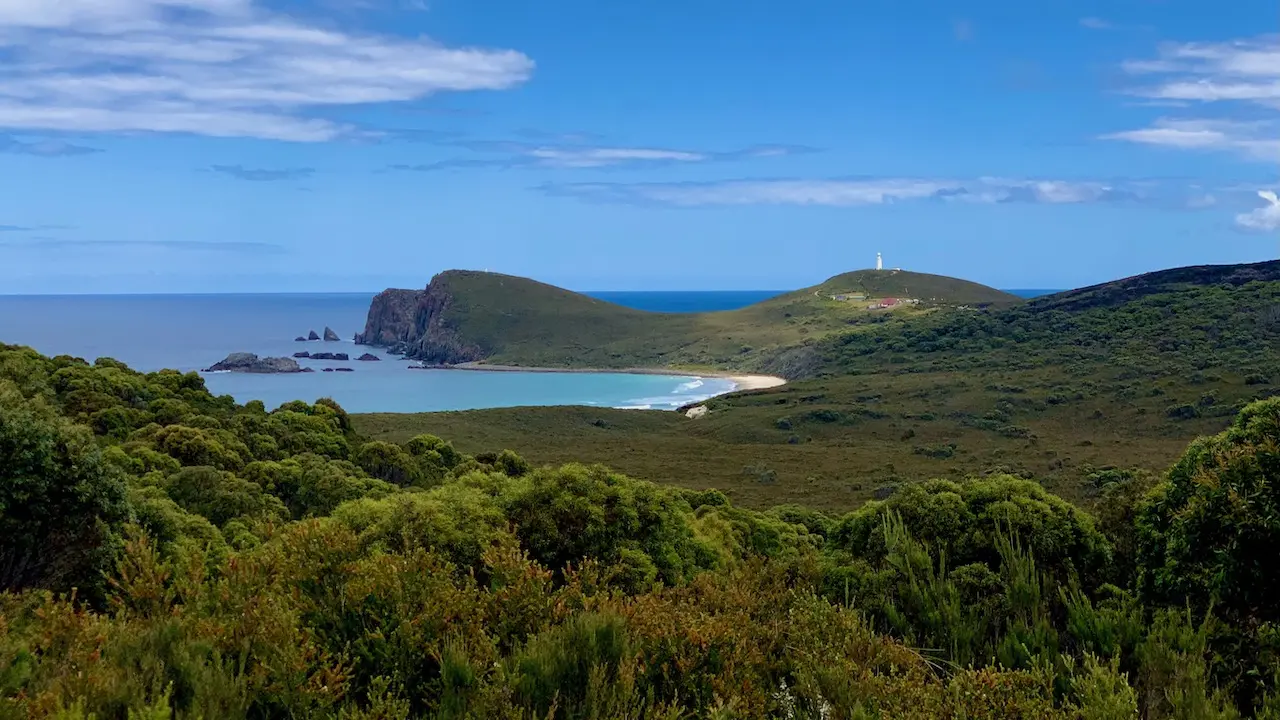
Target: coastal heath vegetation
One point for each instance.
(168, 553)
(1120, 376)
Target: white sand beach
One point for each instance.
(755, 382)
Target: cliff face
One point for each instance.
(391, 318)
(415, 323)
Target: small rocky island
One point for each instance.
(369, 357)
(249, 363)
(330, 335)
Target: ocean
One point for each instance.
(192, 332)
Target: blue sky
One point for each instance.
(243, 145)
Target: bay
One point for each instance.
(191, 332)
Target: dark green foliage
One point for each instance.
(567, 515)
(277, 564)
(220, 496)
(61, 506)
(1207, 537)
(1210, 531)
(965, 521)
(389, 462)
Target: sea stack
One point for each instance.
(330, 335)
(312, 335)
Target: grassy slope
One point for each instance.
(524, 322)
(1098, 377)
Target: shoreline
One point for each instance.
(741, 381)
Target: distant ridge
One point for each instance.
(1117, 292)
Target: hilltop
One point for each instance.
(927, 288)
(466, 316)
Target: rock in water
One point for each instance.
(303, 354)
(250, 363)
(344, 369)
(369, 357)
(328, 369)
(330, 356)
(330, 335)
(312, 335)
(300, 338)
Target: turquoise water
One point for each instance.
(191, 332)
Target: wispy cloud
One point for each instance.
(230, 246)
(1263, 219)
(1252, 140)
(1233, 77)
(853, 192)
(240, 172)
(1241, 71)
(962, 30)
(1095, 23)
(511, 154)
(226, 68)
(43, 148)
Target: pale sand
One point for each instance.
(741, 383)
(755, 382)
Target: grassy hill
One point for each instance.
(501, 319)
(1118, 375)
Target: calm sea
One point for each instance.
(191, 332)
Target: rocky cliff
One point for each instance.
(416, 323)
(391, 318)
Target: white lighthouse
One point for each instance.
(879, 262)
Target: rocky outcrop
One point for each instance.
(250, 363)
(330, 356)
(330, 335)
(414, 323)
(300, 338)
(312, 335)
(344, 369)
(694, 413)
(303, 354)
(369, 357)
(391, 319)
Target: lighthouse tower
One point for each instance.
(879, 262)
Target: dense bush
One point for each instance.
(61, 505)
(230, 561)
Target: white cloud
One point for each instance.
(884, 191)
(1253, 140)
(507, 154)
(1263, 219)
(591, 157)
(1246, 71)
(214, 67)
(1240, 74)
(1094, 23)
